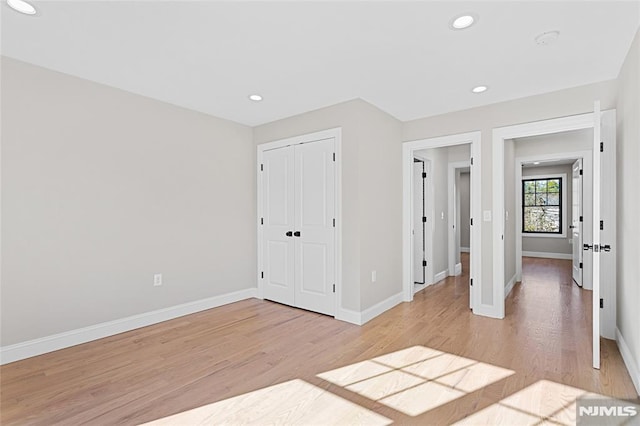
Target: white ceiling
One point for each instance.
(400, 56)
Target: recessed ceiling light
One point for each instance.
(255, 98)
(547, 38)
(22, 7)
(479, 89)
(463, 21)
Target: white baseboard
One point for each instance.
(465, 249)
(543, 254)
(440, 276)
(629, 361)
(379, 308)
(67, 339)
(510, 285)
(458, 269)
(489, 311)
(347, 315)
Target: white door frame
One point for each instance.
(454, 231)
(587, 159)
(537, 128)
(408, 149)
(336, 134)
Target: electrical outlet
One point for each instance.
(157, 280)
(374, 276)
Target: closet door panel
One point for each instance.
(278, 208)
(314, 219)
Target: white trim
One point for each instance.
(440, 276)
(556, 125)
(509, 287)
(381, 307)
(464, 249)
(453, 232)
(629, 361)
(336, 134)
(408, 148)
(457, 269)
(78, 336)
(546, 255)
(418, 287)
(586, 202)
(347, 315)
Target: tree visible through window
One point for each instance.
(542, 206)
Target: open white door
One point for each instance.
(419, 257)
(576, 221)
(595, 246)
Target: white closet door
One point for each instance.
(314, 225)
(278, 210)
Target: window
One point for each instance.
(542, 205)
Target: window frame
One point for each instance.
(563, 205)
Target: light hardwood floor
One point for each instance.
(426, 362)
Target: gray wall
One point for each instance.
(101, 189)
(628, 204)
(561, 103)
(465, 208)
(551, 244)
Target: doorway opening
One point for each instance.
(601, 128)
(431, 235)
(552, 210)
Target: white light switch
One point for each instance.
(486, 215)
(374, 276)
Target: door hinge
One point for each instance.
(424, 219)
(472, 161)
(334, 288)
(262, 275)
(334, 223)
(261, 167)
(580, 172)
(334, 156)
(601, 303)
(471, 282)
(602, 225)
(471, 220)
(261, 221)
(580, 218)
(580, 265)
(601, 146)
(424, 175)
(424, 263)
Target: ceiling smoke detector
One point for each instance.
(545, 39)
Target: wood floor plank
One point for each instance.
(254, 347)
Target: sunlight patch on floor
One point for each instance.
(417, 379)
(544, 402)
(295, 402)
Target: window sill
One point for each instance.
(564, 235)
